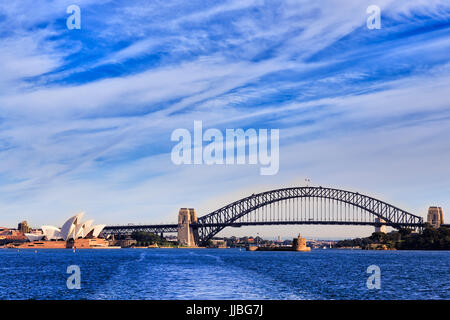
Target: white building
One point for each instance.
(72, 229)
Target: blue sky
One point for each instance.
(86, 115)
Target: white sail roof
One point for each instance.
(83, 229)
(68, 228)
(97, 229)
(51, 232)
(73, 228)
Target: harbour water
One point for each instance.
(223, 274)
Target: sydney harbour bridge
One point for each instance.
(288, 206)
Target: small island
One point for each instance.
(298, 244)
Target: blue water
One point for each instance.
(223, 274)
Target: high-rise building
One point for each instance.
(23, 227)
(435, 216)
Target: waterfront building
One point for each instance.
(84, 243)
(11, 235)
(23, 227)
(72, 229)
(73, 233)
(299, 244)
(42, 244)
(435, 216)
(218, 243)
(4, 231)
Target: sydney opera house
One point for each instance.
(74, 233)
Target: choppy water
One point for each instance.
(223, 274)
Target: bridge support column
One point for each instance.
(187, 236)
(380, 227)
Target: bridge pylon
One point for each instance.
(187, 235)
(380, 226)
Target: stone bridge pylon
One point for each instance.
(187, 235)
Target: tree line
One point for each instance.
(404, 239)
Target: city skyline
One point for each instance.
(87, 115)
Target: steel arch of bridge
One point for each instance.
(231, 215)
(239, 213)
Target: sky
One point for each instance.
(86, 115)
